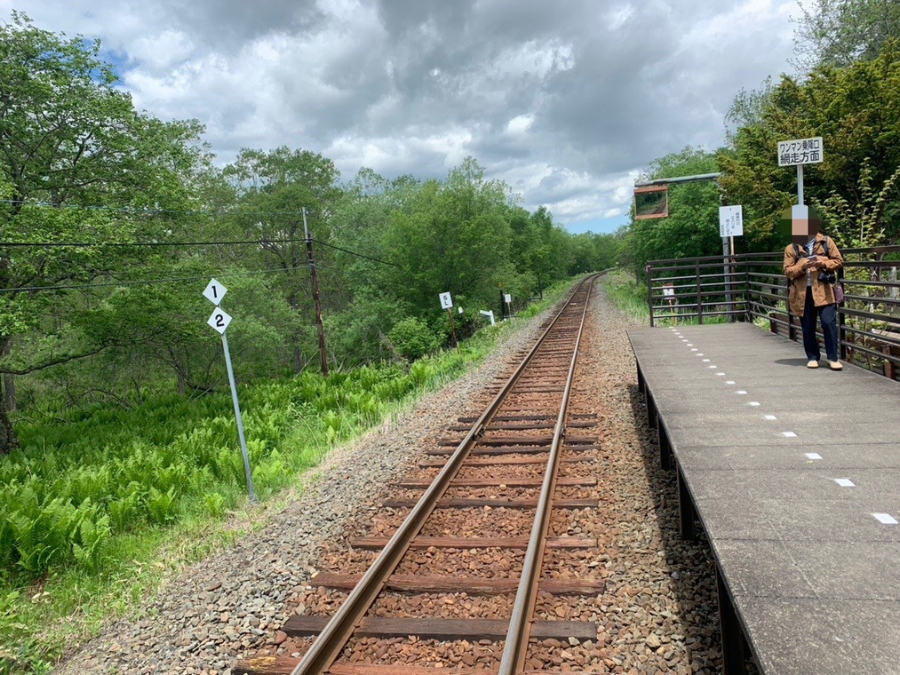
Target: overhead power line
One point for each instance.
(181, 244)
(359, 255)
(147, 211)
(143, 244)
(146, 282)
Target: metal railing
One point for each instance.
(752, 287)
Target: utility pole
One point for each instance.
(314, 276)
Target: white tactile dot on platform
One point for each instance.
(705, 360)
(721, 374)
(730, 382)
(770, 417)
(885, 518)
(753, 403)
(741, 392)
(813, 455)
(789, 434)
(844, 482)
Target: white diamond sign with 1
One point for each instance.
(215, 292)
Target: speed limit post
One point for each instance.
(219, 321)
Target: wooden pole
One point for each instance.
(314, 276)
(452, 327)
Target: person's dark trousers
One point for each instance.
(828, 316)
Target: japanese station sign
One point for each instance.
(731, 221)
(801, 151)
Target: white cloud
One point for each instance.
(565, 105)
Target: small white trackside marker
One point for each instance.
(741, 392)
(721, 374)
(789, 434)
(713, 367)
(755, 404)
(885, 518)
(705, 360)
(844, 482)
(771, 417)
(813, 455)
(690, 345)
(694, 349)
(730, 382)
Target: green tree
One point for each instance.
(70, 138)
(841, 32)
(455, 237)
(272, 189)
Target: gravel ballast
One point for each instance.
(657, 615)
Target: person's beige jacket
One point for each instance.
(823, 294)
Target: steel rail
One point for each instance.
(340, 627)
(514, 649)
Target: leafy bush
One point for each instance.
(413, 339)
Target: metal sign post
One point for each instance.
(447, 303)
(731, 225)
(219, 321)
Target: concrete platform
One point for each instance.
(794, 474)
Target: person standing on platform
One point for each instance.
(810, 263)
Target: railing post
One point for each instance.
(842, 334)
(699, 294)
(790, 317)
(650, 292)
(748, 312)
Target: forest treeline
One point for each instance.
(113, 221)
(847, 90)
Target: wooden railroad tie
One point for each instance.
(503, 461)
(444, 629)
(460, 503)
(375, 543)
(511, 481)
(512, 450)
(409, 583)
(519, 440)
(284, 665)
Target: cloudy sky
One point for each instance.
(565, 100)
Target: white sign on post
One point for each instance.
(215, 292)
(801, 151)
(446, 300)
(731, 221)
(507, 298)
(219, 320)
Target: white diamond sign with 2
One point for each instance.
(219, 320)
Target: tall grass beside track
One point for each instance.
(99, 505)
(629, 296)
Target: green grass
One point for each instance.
(629, 296)
(102, 504)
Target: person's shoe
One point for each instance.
(835, 365)
(812, 364)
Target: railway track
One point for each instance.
(476, 562)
